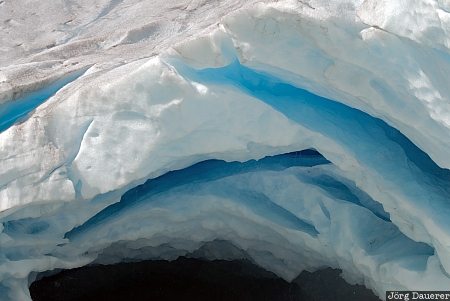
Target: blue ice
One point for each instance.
(370, 140)
(17, 110)
(207, 171)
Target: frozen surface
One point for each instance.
(151, 153)
(17, 110)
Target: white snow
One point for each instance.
(153, 103)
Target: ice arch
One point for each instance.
(151, 159)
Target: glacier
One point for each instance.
(307, 134)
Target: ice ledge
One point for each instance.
(114, 130)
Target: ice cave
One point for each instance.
(300, 134)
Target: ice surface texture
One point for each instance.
(307, 134)
(16, 110)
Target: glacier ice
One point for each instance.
(307, 134)
(16, 110)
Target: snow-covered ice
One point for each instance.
(308, 134)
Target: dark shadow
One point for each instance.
(192, 279)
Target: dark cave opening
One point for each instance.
(192, 279)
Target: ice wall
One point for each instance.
(155, 158)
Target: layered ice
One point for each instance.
(307, 134)
(16, 110)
